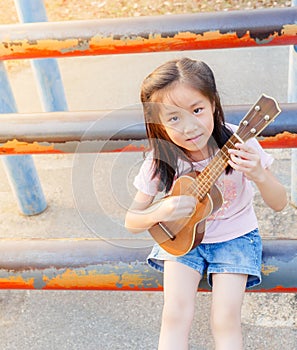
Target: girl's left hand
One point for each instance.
(247, 160)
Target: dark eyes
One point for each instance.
(197, 111)
(174, 119)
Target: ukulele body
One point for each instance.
(180, 236)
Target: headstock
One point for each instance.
(264, 111)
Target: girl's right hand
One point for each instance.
(144, 213)
(174, 207)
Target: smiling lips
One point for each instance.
(195, 138)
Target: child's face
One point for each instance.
(187, 117)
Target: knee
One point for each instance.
(225, 321)
(178, 313)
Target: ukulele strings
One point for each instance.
(219, 162)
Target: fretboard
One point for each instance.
(215, 168)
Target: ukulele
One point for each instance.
(180, 236)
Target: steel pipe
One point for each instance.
(265, 27)
(94, 264)
(21, 171)
(46, 71)
(122, 124)
(114, 130)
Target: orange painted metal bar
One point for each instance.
(94, 264)
(268, 27)
(113, 131)
(283, 140)
(15, 147)
(18, 147)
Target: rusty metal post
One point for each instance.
(292, 97)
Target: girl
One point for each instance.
(185, 126)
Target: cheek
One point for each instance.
(167, 134)
(173, 135)
(210, 125)
(207, 125)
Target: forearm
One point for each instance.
(273, 193)
(247, 160)
(138, 221)
(143, 214)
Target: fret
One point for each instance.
(238, 138)
(211, 173)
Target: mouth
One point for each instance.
(195, 138)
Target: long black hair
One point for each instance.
(198, 75)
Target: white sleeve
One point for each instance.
(143, 180)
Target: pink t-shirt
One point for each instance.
(236, 216)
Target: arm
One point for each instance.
(143, 213)
(247, 160)
(272, 192)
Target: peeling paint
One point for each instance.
(154, 42)
(104, 278)
(82, 45)
(264, 41)
(18, 147)
(268, 269)
(283, 140)
(81, 279)
(16, 282)
(75, 265)
(130, 148)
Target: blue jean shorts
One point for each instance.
(241, 255)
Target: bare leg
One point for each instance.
(227, 298)
(180, 288)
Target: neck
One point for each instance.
(206, 179)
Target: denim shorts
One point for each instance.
(241, 255)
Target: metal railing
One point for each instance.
(48, 264)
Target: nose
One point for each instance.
(190, 124)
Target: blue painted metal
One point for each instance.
(24, 180)
(21, 170)
(30, 11)
(50, 86)
(292, 97)
(46, 71)
(7, 101)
